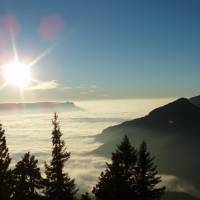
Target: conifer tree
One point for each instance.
(59, 186)
(4, 166)
(116, 181)
(27, 179)
(147, 178)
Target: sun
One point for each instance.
(17, 74)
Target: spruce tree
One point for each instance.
(116, 181)
(4, 166)
(147, 178)
(59, 186)
(27, 179)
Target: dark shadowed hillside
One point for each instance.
(178, 196)
(172, 132)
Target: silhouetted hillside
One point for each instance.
(180, 114)
(173, 133)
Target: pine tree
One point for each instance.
(4, 166)
(27, 179)
(147, 178)
(59, 186)
(116, 181)
(85, 196)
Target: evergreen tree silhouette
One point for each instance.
(116, 181)
(85, 196)
(27, 179)
(5, 173)
(147, 177)
(59, 186)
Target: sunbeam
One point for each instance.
(42, 55)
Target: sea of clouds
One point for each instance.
(26, 131)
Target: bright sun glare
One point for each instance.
(17, 74)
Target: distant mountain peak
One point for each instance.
(68, 106)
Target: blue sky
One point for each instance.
(109, 48)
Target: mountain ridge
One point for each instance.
(179, 115)
(172, 133)
(39, 105)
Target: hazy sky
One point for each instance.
(104, 48)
